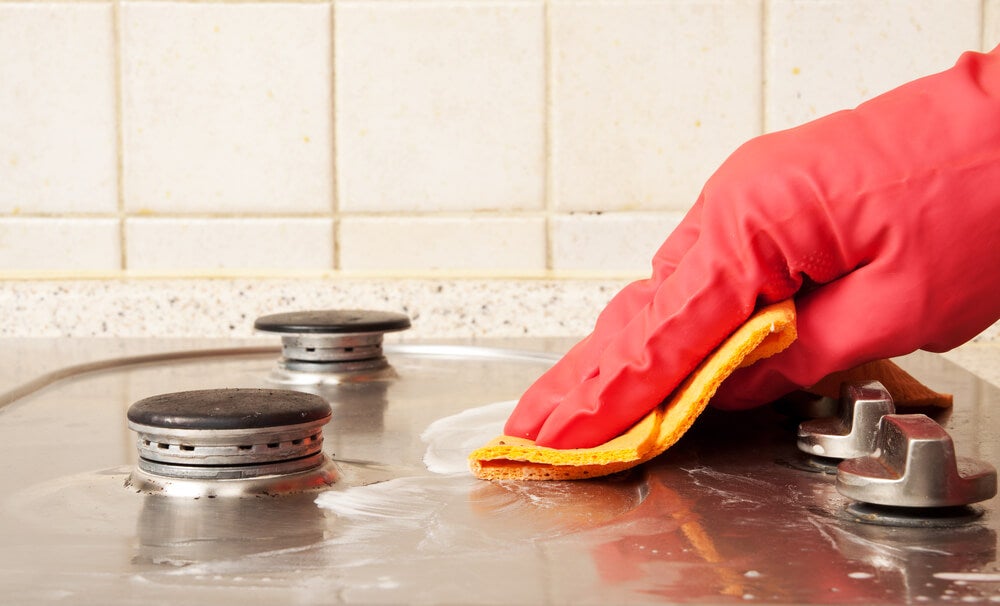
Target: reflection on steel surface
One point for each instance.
(714, 519)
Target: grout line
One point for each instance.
(363, 214)
(982, 26)
(335, 194)
(238, 215)
(765, 32)
(547, 135)
(226, 217)
(66, 216)
(59, 2)
(458, 214)
(167, 1)
(391, 276)
(119, 132)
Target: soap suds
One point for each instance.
(450, 439)
(399, 500)
(974, 577)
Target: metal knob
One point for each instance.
(914, 465)
(851, 434)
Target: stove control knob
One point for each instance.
(914, 465)
(852, 432)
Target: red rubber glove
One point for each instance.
(883, 222)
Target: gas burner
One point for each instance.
(230, 442)
(321, 346)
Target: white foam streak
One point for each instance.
(451, 439)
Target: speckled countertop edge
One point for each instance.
(439, 308)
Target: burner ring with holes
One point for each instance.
(229, 434)
(332, 341)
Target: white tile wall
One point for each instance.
(57, 109)
(227, 107)
(59, 244)
(440, 105)
(177, 245)
(649, 97)
(991, 24)
(827, 55)
(442, 243)
(485, 137)
(609, 242)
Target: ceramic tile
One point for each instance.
(206, 245)
(610, 242)
(648, 98)
(59, 244)
(440, 105)
(415, 244)
(991, 24)
(226, 107)
(57, 109)
(831, 55)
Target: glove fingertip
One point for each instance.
(521, 427)
(574, 424)
(531, 412)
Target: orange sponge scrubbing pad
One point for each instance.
(905, 390)
(766, 333)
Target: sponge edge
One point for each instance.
(905, 390)
(766, 333)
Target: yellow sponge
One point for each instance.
(905, 390)
(766, 333)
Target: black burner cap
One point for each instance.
(333, 321)
(229, 409)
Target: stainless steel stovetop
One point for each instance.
(730, 514)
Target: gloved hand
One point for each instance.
(882, 222)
